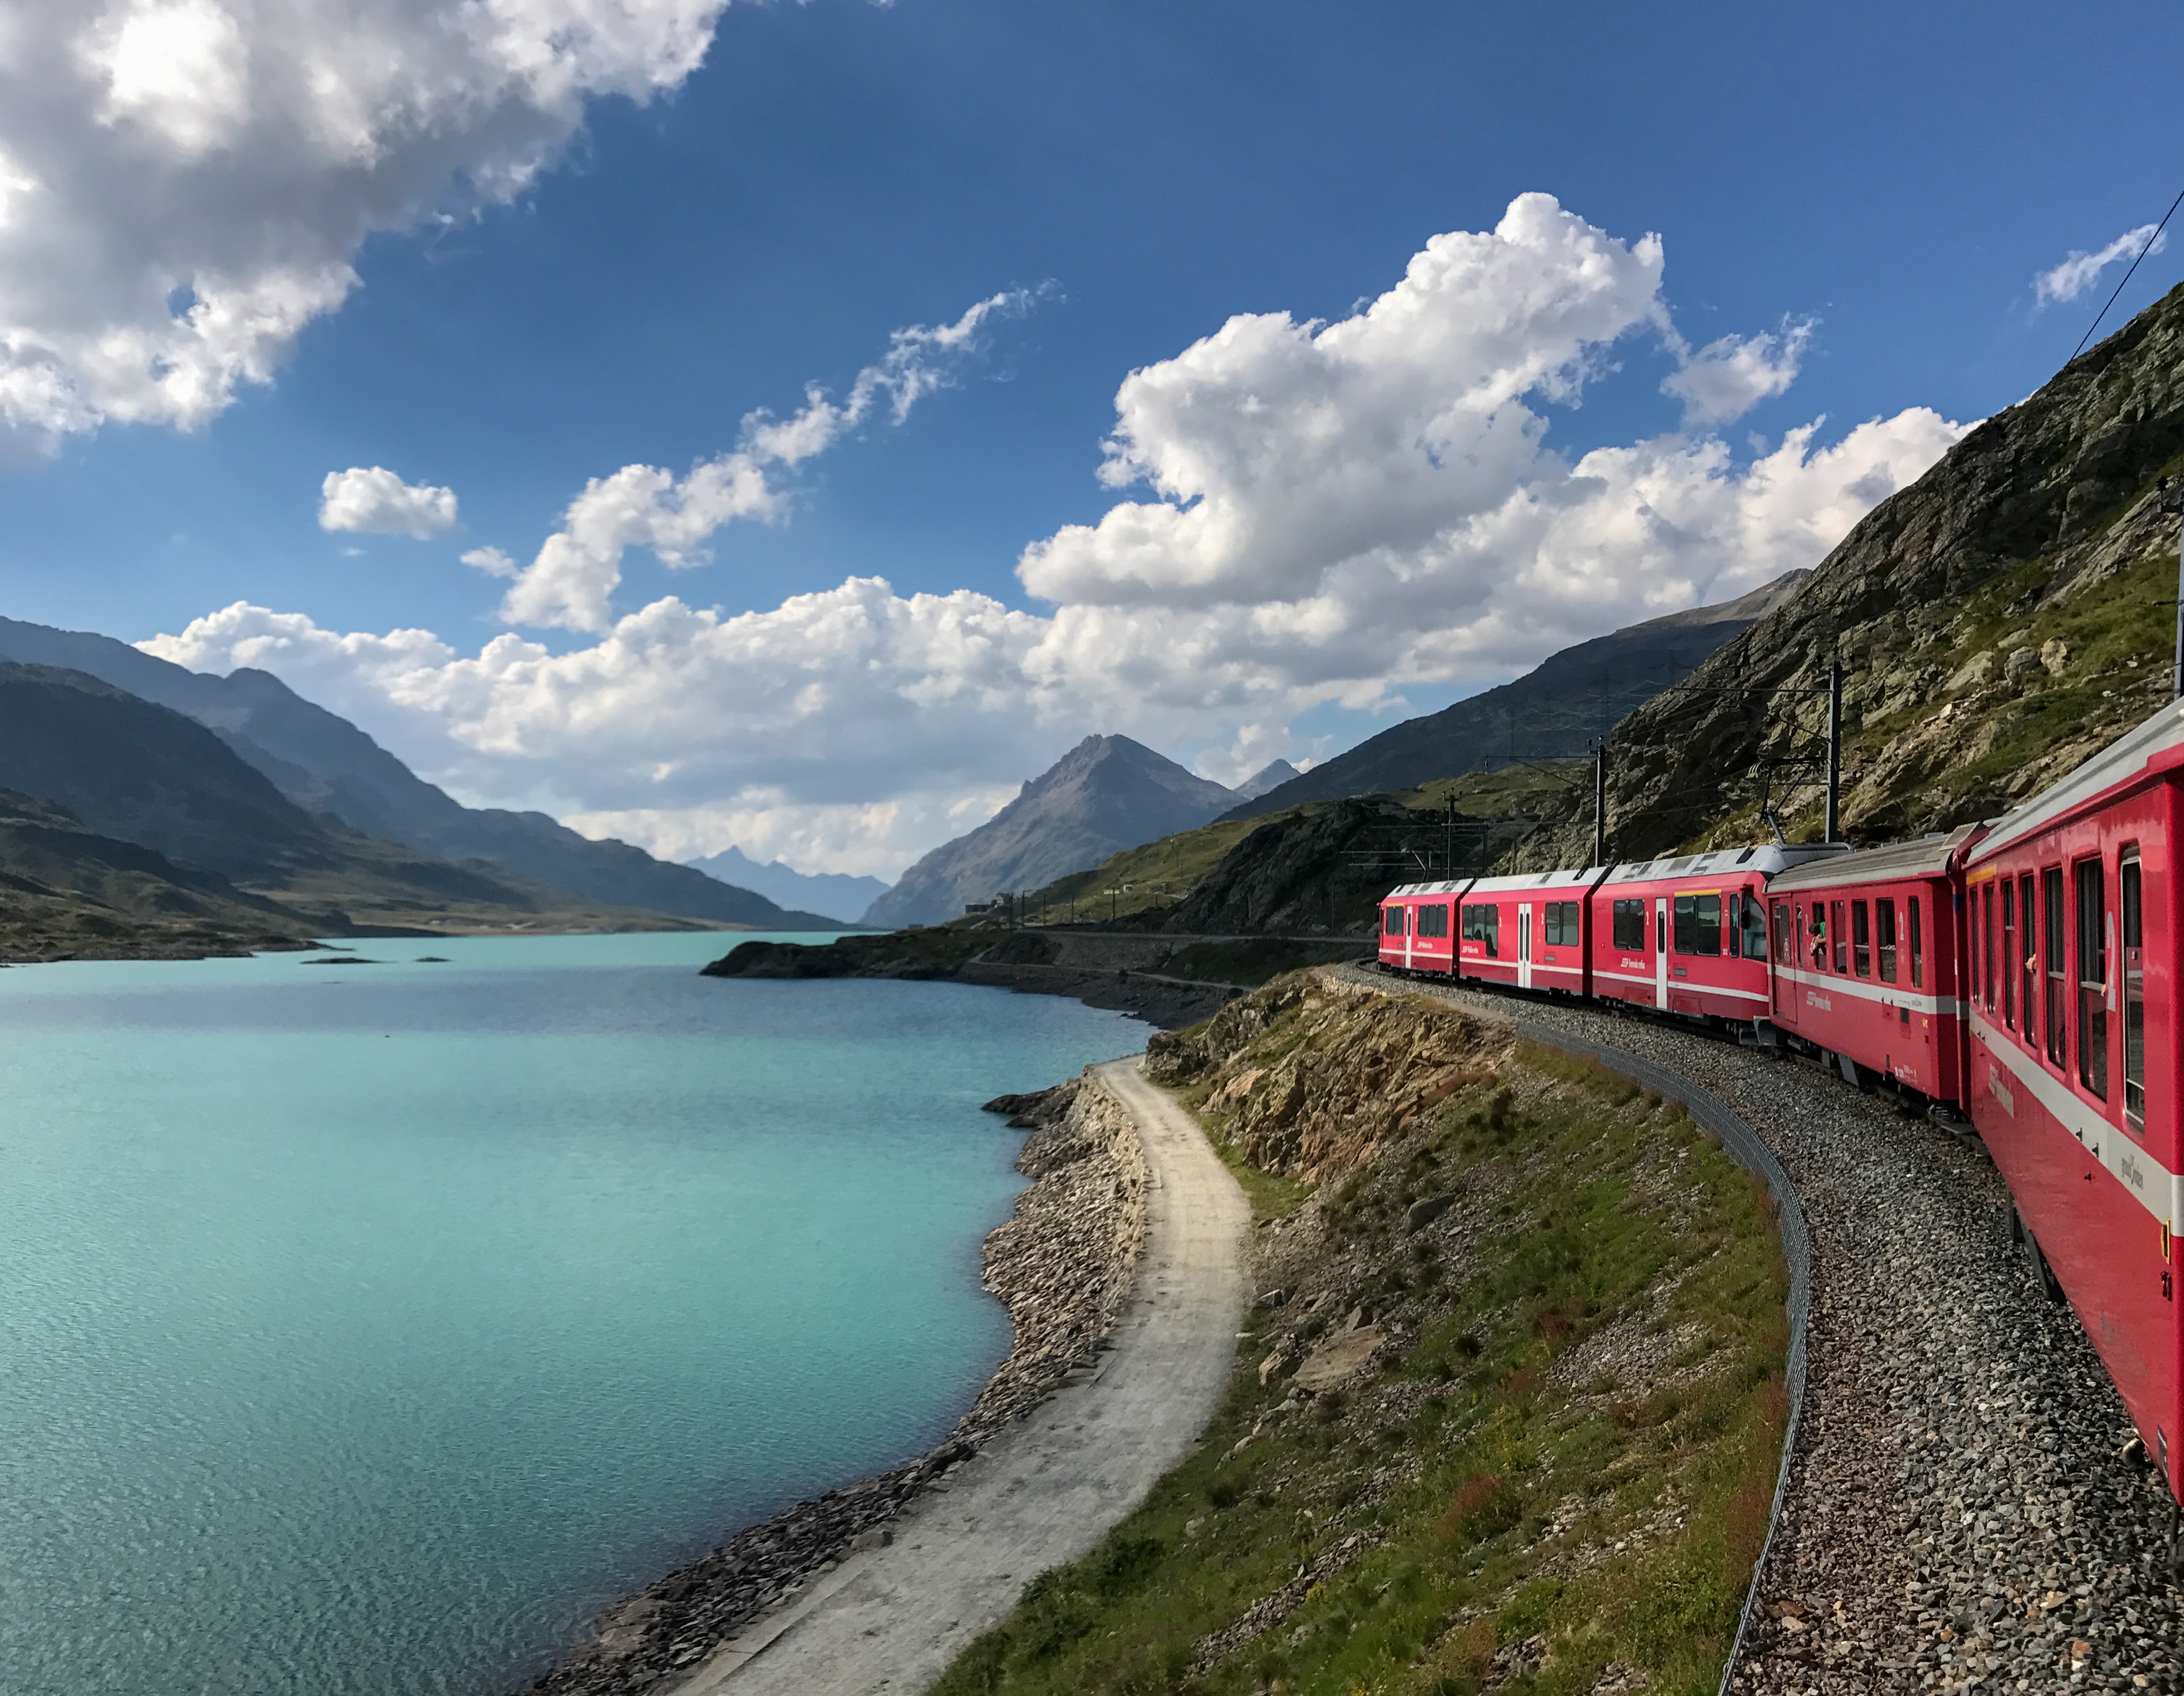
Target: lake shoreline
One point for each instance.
(1062, 1263)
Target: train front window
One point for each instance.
(2133, 942)
(2028, 958)
(2093, 978)
(1884, 937)
(1918, 946)
(1698, 924)
(1630, 926)
(1861, 939)
(2051, 924)
(1755, 926)
(2008, 954)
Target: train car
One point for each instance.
(1528, 930)
(1417, 928)
(1866, 962)
(1687, 933)
(2072, 961)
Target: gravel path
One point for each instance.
(1960, 1514)
(893, 1618)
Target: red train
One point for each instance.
(2022, 974)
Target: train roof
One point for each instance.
(1927, 856)
(1456, 887)
(2155, 746)
(1770, 859)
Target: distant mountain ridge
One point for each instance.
(1267, 778)
(1552, 712)
(1105, 794)
(836, 895)
(323, 764)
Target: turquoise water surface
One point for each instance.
(363, 1329)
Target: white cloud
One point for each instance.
(491, 561)
(1729, 376)
(1336, 511)
(568, 585)
(185, 184)
(372, 498)
(2078, 273)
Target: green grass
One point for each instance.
(1602, 1194)
(1500, 794)
(1159, 873)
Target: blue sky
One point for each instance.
(1892, 178)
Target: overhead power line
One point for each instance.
(2142, 252)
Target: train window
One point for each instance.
(1433, 920)
(1785, 935)
(2093, 978)
(1861, 939)
(1698, 924)
(2008, 954)
(2133, 941)
(1918, 948)
(1884, 937)
(2051, 924)
(1482, 923)
(1755, 926)
(1630, 926)
(2028, 957)
(1395, 920)
(1562, 924)
(1985, 990)
(1839, 933)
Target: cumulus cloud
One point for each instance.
(372, 498)
(1332, 511)
(1728, 377)
(2078, 273)
(568, 585)
(184, 184)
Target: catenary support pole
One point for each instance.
(1600, 804)
(1834, 751)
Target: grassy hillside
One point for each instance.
(1551, 1468)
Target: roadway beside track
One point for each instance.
(1960, 1508)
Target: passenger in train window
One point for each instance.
(1819, 935)
(1884, 936)
(1861, 939)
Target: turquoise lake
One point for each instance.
(364, 1329)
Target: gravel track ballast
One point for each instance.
(1961, 1513)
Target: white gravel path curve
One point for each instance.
(892, 1619)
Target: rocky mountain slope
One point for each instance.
(1105, 794)
(1552, 712)
(323, 764)
(67, 892)
(832, 895)
(2002, 618)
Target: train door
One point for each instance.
(1409, 932)
(1784, 955)
(1524, 945)
(1661, 952)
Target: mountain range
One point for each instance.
(1105, 794)
(1552, 712)
(834, 894)
(321, 763)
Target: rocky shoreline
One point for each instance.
(1063, 1262)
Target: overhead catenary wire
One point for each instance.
(2142, 252)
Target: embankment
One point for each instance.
(1510, 1404)
(1168, 980)
(1062, 1263)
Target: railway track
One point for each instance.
(1961, 1510)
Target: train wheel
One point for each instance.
(2036, 1262)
